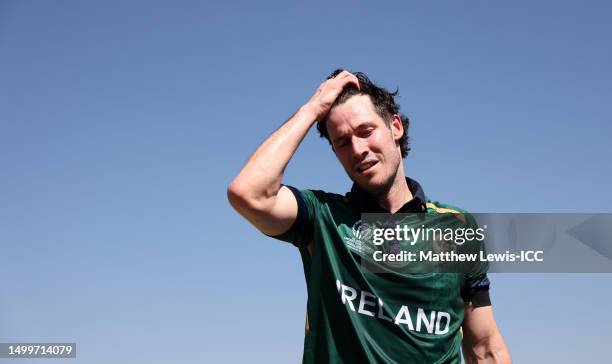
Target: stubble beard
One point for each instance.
(383, 188)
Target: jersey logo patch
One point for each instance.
(355, 238)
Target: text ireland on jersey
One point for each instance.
(366, 303)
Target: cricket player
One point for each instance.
(354, 315)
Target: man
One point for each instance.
(356, 316)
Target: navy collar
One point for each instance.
(362, 201)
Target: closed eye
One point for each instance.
(341, 142)
(364, 133)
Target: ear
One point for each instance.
(397, 127)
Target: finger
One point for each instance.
(344, 75)
(348, 78)
(355, 81)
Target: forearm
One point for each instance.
(255, 191)
(260, 178)
(491, 350)
(482, 341)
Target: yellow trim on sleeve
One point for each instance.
(443, 210)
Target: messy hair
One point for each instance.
(383, 101)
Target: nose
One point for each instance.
(360, 149)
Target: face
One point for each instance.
(365, 145)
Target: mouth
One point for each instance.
(365, 166)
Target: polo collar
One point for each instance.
(362, 201)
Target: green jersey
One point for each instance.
(357, 316)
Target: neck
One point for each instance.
(397, 194)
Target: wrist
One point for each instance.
(308, 112)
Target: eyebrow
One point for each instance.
(366, 124)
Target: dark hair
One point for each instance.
(383, 101)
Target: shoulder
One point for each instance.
(323, 197)
(326, 205)
(437, 207)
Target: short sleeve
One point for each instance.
(476, 288)
(301, 232)
(476, 285)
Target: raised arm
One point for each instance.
(482, 341)
(256, 192)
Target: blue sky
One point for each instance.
(121, 124)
